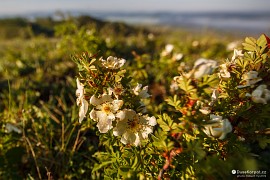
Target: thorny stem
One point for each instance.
(170, 155)
(168, 162)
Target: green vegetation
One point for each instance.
(40, 135)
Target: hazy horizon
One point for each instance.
(17, 7)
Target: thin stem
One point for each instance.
(76, 141)
(34, 156)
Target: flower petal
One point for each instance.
(128, 137)
(95, 101)
(138, 139)
(120, 128)
(121, 115)
(148, 130)
(152, 121)
(117, 104)
(106, 98)
(93, 114)
(104, 124)
(83, 110)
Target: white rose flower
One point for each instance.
(218, 128)
(178, 56)
(113, 62)
(81, 101)
(168, 50)
(104, 111)
(133, 127)
(224, 73)
(236, 54)
(260, 95)
(250, 78)
(143, 93)
(203, 67)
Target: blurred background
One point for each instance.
(235, 16)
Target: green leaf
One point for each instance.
(99, 166)
(209, 81)
(174, 101)
(185, 85)
(249, 47)
(262, 41)
(243, 63)
(250, 40)
(249, 44)
(124, 170)
(166, 123)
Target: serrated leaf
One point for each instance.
(185, 86)
(243, 63)
(166, 123)
(250, 40)
(262, 41)
(211, 80)
(248, 47)
(174, 101)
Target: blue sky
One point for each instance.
(22, 6)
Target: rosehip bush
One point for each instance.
(215, 119)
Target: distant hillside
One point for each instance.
(45, 26)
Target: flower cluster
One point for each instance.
(114, 103)
(232, 86)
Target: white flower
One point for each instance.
(260, 95)
(224, 73)
(218, 128)
(117, 91)
(142, 93)
(250, 78)
(133, 127)
(81, 101)
(168, 50)
(178, 56)
(113, 62)
(203, 67)
(104, 111)
(236, 54)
